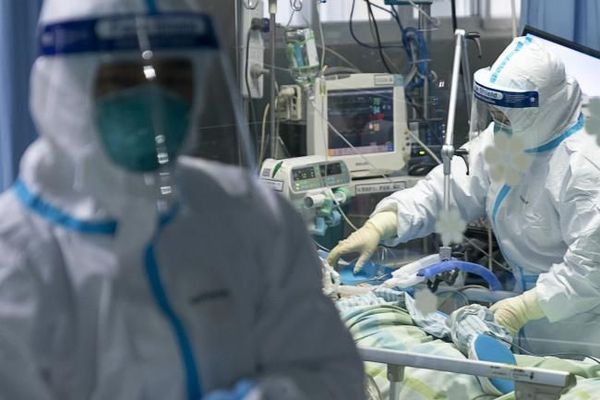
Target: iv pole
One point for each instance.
(448, 147)
(273, 128)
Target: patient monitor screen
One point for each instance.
(364, 118)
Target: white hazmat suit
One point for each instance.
(548, 224)
(99, 300)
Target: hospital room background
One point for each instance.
(348, 104)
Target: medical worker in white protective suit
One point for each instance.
(535, 173)
(125, 275)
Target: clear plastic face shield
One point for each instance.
(160, 87)
(504, 112)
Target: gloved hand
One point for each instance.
(365, 240)
(515, 312)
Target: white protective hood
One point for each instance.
(525, 65)
(68, 164)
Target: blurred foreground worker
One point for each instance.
(127, 273)
(535, 173)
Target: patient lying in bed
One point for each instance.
(384, 320)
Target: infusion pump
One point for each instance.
(314, 185)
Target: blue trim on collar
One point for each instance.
(168, 217)
(109, 227)
(190, 365)
(59, 217)
(552, 144)
(499, 199)
(151, 6)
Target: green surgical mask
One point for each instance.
(502, 128)
(129, 122)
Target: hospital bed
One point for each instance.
(531, 383)
(404, 362)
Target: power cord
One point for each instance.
(360, 42)
(378, 37)
(393, 13)
(529, 353)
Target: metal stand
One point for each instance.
(274, 135)
(448, 147)
(530, 383)
(423, 25)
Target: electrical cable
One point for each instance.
(276, 68)
(489, 236)
(290, 20)
(282, 143)
(221, 126)
(385, 55)
(321, 247)
(378, 37)
(453, 8)
(485, 253)
(529, 353)
(341, 57)
(596, 360)
(424, 146)
(435, 22)
(397, 18)
(393, 13)
(296, 5)
(451, 293)
(338, 206)
(335, 73)
(357, 40)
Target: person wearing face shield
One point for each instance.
(129, 272)
(535, 173)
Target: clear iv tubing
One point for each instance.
(489, 255)
(338, 206)
(423, 145)
(360, 155)
(434, 21)
(431, 153)
(296, 5)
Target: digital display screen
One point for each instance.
(331, 169)
(304, 173)
(364, 118)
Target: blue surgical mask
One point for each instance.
(130, 120)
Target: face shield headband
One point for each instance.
(151, 39)
(505, 98)
(141, 121)
(129, 33)
(152, 43)
(505, 107)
